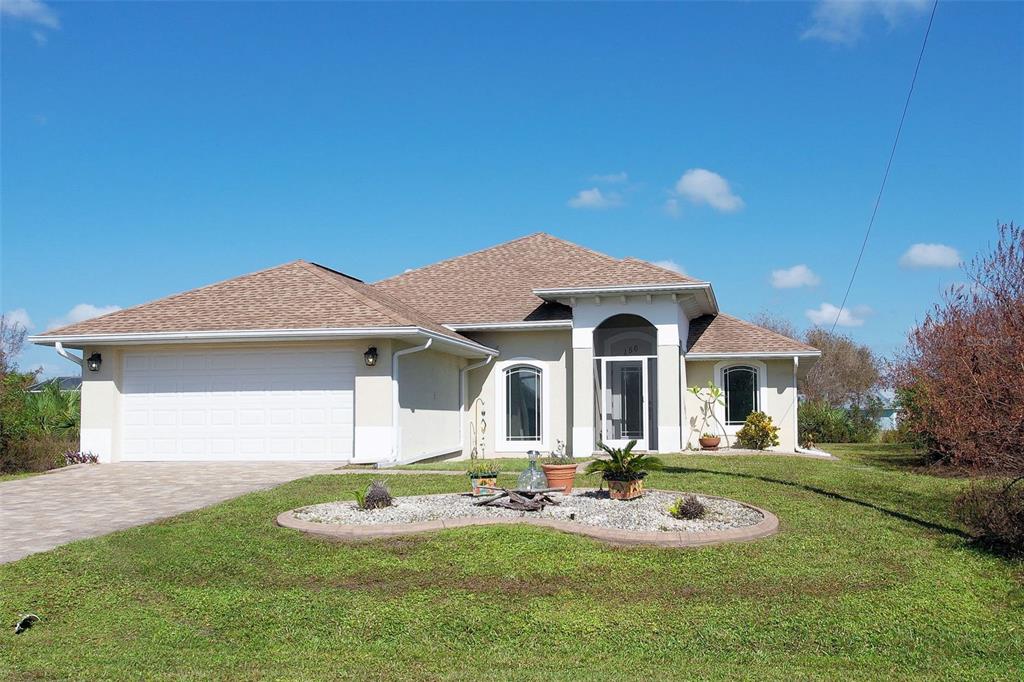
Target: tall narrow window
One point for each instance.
(740, 393)
(522, 403)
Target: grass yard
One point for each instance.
(868, 579)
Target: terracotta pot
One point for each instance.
(476, 482)
(710, 443)
(625, 490)
(560, 476)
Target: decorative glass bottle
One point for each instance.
(533, 477)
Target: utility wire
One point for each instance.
(885, 176)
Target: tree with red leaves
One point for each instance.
(960, 381)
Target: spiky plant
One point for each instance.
(623, 464)
(377, 496)
(687, 507)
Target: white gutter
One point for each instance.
(508, 326)
(621, 289)
(763, 356)
(397, 438)
(77, 359)
(256, 335)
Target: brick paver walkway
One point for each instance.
(41, 512)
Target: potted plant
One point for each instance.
(560, 469)
(709, 441)
(624, 470)
(481, 474)
(709, 396)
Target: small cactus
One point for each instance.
(377, 496)
(687, 507)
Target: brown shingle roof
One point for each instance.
(297, 295)
(496, 284)
(727, 334)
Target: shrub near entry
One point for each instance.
(758, 432)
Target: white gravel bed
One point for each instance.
(586, 506)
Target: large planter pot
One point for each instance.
(477, 484)
(560, 476)
(710, 443)
(626, 490)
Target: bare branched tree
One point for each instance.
(12, 341)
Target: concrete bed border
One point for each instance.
(768, 526)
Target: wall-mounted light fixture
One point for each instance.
(94, 362)
(370, 356)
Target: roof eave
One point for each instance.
(256, 335)
(766, 355)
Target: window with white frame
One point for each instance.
(741, 393)
(523, 406)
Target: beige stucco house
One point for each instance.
(503, 350)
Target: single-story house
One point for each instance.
(500, 351)
(63, 384)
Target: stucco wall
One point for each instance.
(428, 403)
(550, 349)
(779, 399)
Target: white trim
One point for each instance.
(762, 388)
(508, 326)
(622, 289)
(796, 405)
(501, 442)
(752, 356)
(256, 335)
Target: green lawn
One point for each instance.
(869, 578)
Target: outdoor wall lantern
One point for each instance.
(370, 356)
(94, 362)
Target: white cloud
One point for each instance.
(82, 311)
(670, 265)
(611, 178)
(825, 315)
(794, 277)
(702, 186)
(594, 199)
(32, 11)
(842, 22)
(40, 38)
(672, 208)
(19, 316)
(930, 256)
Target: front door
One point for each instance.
(624, 402)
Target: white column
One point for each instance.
(583, 391)
(668, 399)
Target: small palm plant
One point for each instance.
(624, 470)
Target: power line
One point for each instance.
(885, 176)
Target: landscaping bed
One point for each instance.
(587, 506)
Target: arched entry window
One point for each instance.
(625, 335)
(523, 407)
(741, 393)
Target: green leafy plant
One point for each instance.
(687, 507)
(709, 396)
(558, 455)
(758, 432)
(478, 468)
(623, 464)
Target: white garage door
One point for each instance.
(241, 405)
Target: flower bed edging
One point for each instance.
(769, 525)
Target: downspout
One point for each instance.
(396, 440)
(463, 409)
(77, 359)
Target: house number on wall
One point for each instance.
(633, 350)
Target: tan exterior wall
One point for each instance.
(549, 349)
(428, 401)
(779, 399)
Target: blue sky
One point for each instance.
(149, 148)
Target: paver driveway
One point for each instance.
(41, 512)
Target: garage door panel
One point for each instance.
(238, 405)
